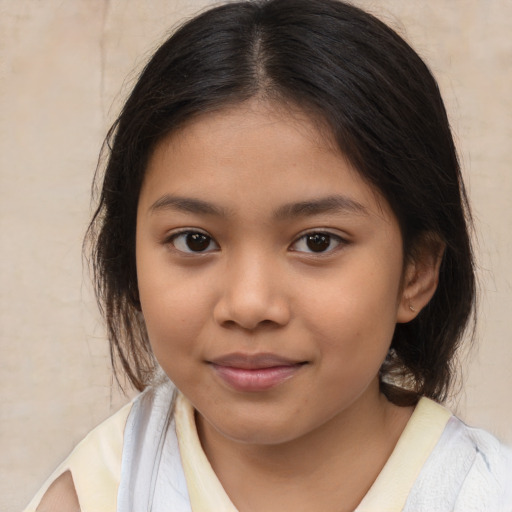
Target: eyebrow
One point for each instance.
(187, 205)
(329, 204)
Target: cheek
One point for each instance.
(173, 328)
(175, 310)
(170, 315)
(360, 300)
(353, 316)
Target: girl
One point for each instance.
(281, 253)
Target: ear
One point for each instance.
(421, 276)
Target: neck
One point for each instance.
(329, 468)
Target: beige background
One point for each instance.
(64, 68)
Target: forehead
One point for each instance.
(233, 131)
(254, 153)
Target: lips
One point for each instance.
(255, 372)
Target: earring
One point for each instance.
(412, 308)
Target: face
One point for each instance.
(269, 273)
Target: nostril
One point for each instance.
(230, 324)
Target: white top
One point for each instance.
(146, 458)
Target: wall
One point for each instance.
(64, 69)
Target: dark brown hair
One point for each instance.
(381, 104)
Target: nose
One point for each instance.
(253, 294)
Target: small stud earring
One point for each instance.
(412, 308)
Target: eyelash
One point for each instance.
(203, 238)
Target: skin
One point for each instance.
(61, 496)
(241, 178)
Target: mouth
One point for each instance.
(255, 372)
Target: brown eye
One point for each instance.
(197, 242)
(193, 241)
(317, 242)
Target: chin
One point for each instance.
(260, 432)
(264, 436)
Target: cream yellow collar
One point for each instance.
(205, 491)
(389, 492)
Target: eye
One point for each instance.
(193, 241)
(317, 242)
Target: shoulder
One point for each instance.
(90, 474)
(61, 496)
(468, 470)
(483, 454)
(488, 481)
